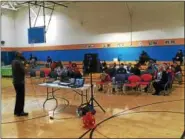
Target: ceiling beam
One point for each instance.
(8, 8)
(58, 4)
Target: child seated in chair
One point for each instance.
(105, 78)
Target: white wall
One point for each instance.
(8, 28)
(97, 22)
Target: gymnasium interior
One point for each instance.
(92, 69)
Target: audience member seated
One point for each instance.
(30, 57)
(121, 69)
(112, 73)
(178, 57)
(152, 68)
(69, 65)
(136, 70)
(32, 62)
(171, 71)
(104, 66)
(161, 80)
(53, 65)
(48, 62)
(178, 73)
(58, 68)
(129, 68)
(74, 71)
(104, 79)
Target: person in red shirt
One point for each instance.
(105, 78)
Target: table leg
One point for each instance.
(47, 97)
(52, 97)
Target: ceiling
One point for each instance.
(16, 5)
(133, 6)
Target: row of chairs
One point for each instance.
(136, 83)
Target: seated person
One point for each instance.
(104, 78)
(161, 81)
(129, 68)
(74, 71)
(178, 73)
(69, 65)
(48, 62)
(121, 69)
(159, 73)
(58, 68)
(136, 70)
(178, 57)
(171, 70)
(30, 57)
(32, 62)
(152, 68)
(104, 66)
(111, 71)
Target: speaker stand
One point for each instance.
(92, 99)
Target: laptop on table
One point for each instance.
(79, 82)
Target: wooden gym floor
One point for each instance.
(127, 116)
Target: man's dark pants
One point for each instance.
(20, 95)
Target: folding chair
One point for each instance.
(120, 79)
(133, 83)
(146, 81)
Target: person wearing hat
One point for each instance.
(18, 74)
(178, 57)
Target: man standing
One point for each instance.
(18, 74)
(178, 57)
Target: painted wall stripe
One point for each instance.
(144, 43)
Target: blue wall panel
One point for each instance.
(7, 57)
(161, 53)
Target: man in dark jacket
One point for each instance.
(18, 74)
(178, 57)
(136, 70)
(159, 85)
(121, 69)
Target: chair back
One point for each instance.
(120, 77)
(134, 79)
(146, 77)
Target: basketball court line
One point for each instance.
(121, 113)
(124, 114)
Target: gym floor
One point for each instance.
(127, 116)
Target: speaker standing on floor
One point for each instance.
(91, 63)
